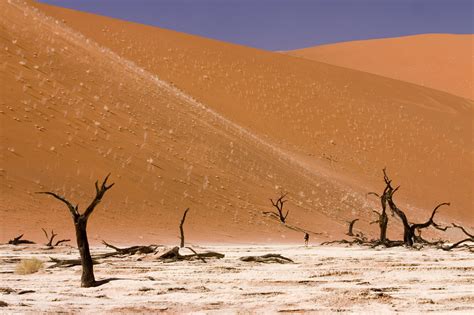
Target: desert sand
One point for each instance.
(441, 61)
(321, 280)
(182, 121)
(339, 123)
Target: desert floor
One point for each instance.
(323, 279)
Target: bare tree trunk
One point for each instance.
(383, 223)
(408, 229)
(351, 227)
(382, 219)
(87, 278)
(181, 230)
(80, 224)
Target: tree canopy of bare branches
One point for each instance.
(278, 204)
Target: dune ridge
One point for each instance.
(440, 61)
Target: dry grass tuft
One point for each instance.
(28, 266)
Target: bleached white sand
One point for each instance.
(322, 279)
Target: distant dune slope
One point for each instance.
(73, 110)
(441, 61)
(342, 123)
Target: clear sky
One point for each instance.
(289, 24)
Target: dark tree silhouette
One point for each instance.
(470, 238)
(382, 219)
(80, 224)
(51, 237)
(351, 227)
(409, 236)
(181, 230)
(18, 240)
(279, 206)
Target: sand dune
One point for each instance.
(228, 128)
(440, 61)
(74, 111)
(341, 123)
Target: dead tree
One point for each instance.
(279, 206)
(50, 238)
(17, 240)
(351, 227)
(181, 230)
(80, 223)
(408, 229)
(382, 219)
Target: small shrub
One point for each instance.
(28, 266)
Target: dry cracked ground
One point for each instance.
(322, 279)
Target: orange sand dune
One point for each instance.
(81, 98)
(338, 121)
(439, 61)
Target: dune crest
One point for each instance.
(440, 61)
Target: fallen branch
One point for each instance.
(139, 249)
(68, 262)
(356, 240)
(268, 258)
(470, 238)
(173, 254)
(195, 253)
(17, 240)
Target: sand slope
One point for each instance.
(80, 98)
(439, 61)
(342, 123)
(72, 111)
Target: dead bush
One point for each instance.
(28, 266)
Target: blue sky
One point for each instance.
(289, 24)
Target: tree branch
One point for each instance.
(100, 191)
(73, 209)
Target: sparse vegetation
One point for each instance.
(28, 266)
